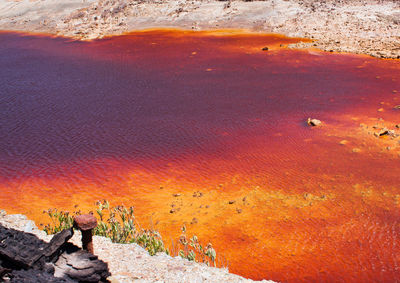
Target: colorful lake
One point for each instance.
(207, 129)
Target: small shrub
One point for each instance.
(60, 220)
(194, 251)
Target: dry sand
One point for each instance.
(369, 27)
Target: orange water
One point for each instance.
(138, 118)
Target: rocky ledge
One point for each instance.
(130, 262)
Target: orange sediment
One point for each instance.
(210, 131)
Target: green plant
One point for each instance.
(194, 251)
(118, 223)
(121, 227)
(60, 220)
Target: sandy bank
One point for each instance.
(370, 27)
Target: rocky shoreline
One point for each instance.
(358, 26)
(132, 263)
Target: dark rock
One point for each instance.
(4, 271)
(265, 49)
(21, 250)
(80, 265)
(36, 276)
(57, 242)
(26, 258)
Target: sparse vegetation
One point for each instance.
(118, 223)
(194, 251)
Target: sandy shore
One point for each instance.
(368, 27)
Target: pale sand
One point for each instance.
(369, 27)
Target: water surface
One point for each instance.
(138, 118)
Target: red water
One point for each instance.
(138, 118)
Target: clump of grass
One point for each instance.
(60, 220)
(118, 223)
(193, 251)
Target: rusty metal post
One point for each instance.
(86, 223)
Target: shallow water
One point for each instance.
(137, 118)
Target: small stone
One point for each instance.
(313, 122)
(384, 132)
(231, 202)
(239, 210)
(176, 195)
(265, 49)
(397, 107)
(356, 150)
(197, 194)
(343, 142)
